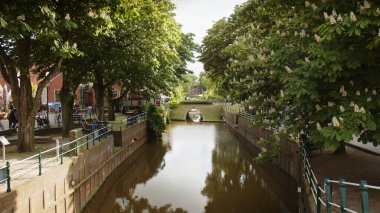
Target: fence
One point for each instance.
(323, 196)
(322, 193)
(62, 149)
(129, 121)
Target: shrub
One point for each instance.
(173, 104)
(156, 122)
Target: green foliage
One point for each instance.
(302, 66)
(173, 104)
(156, 122)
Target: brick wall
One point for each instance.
(288, 160)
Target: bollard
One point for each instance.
(364, 196)
(8, 177)
(319, 198)
(61, 151)
(328, 195)
(39, 164)
(343, 200)
(87, 141)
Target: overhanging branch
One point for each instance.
(45, 81)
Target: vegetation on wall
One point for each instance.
(156, 122)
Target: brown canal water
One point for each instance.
(199, 167)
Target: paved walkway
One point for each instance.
(53, 124)
(27, 170)
(353, 166)
(366, 147)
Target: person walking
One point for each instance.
(12, 117)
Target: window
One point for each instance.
(114, 93)
(56, 94)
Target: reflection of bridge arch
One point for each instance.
(196, 111)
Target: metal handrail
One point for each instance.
(133, 119)
(317, 190)
(40, 163)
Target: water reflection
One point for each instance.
(197, 168)
(234, 185)
(194, 115)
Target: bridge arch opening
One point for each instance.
(194, 115)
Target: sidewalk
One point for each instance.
(53, 124)
(369, 147)
(27, 170)
(353, 166)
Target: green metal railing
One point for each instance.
(130, 121)
(322, 194)
(40, 162)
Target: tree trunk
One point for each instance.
(341, 149)
(67, 115)
(25, 131)
(111, 111)
(99, 94)
(67, 96)
(26, 109)
(26, 101)
(111, 105)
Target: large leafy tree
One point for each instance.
(35, 37)
(307, 67)
(134, 44)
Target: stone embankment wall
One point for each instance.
(68, 187)
(288, 158)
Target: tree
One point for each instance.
(34, 40)
(306, 67)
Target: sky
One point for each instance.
(197, 16)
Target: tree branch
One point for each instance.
(4, 57)
(45, 81)
(10, 71)
(3, 71)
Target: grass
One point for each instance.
(210, 112)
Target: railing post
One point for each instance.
(76, 147)
(328, 195)
(8, 177)
(310, 178)
(93, 138)
(61, 151)
(343, 197)
(121, 123)
(87, 141)
(39, 164)
(364, 196)
(318, 198)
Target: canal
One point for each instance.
(199, 167)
